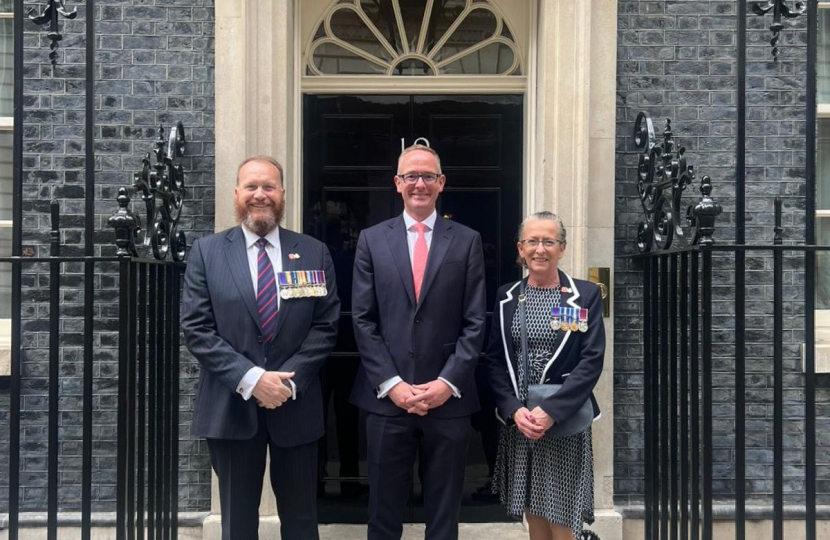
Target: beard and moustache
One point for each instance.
(264, 222)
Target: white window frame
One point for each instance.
(6, 124)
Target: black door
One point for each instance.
(351, 145)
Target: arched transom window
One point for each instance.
(413, 37)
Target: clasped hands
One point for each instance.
(533, 424)
(271, 391)
(420, 398)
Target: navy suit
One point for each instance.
(223, 331)
(576, 363)
(439, 336)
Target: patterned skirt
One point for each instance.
(552, 478)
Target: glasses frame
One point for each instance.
(419, 176)
(526, 242)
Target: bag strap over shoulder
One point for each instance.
(523, 330)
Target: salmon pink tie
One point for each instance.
(419, 258)
(266, 292)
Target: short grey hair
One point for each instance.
(423, 148)
(547, 216)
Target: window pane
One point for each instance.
(823, 165)
(823, 274)
(348, 26)
(6, 67)
(823, 67)
(494, 59)
(332, 59)
(5, 275)
(6, 141)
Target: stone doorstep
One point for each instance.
(608, 525)
(201, 526)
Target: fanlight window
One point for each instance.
(413, 37)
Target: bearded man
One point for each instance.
(259, 313)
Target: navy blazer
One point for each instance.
(576, 363)
(223, 331)
(439, 336)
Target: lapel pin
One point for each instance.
(566, 290)
(293, 256)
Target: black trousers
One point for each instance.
(392, 442)
(240, 466)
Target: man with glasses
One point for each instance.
(418, 308)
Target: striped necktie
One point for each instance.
(266, 292)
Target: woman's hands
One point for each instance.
(532, 424)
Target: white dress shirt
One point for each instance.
(273, 250)
(411, 238)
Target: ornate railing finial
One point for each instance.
(50, 16)
(162, 189)
(662, 177)
(127, 225)
(701, 217)
(779, 8)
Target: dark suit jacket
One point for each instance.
(440, 336)
(223, 331)
(576, 363)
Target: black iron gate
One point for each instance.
(678, 389)
(147, 396)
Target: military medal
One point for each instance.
(556, 321)
(574, 326)
(285, 292)
(583, 320)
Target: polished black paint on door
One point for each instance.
(350, 150)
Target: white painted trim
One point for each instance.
(504, 338)
(823, 110)
(373, 84)
(297, 127)
(531, 113)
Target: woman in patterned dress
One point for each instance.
(549, 480)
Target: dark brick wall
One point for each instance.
(677, 59)
(154, 65)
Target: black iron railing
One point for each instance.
(148, 394)
(678, 391)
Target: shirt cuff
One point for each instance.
(293, 389)
(249, 381)
(455, 391)
(388, 385)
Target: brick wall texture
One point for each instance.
(154, 65)
(677, 59)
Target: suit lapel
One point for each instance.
(288, 245)
(237, 257)
(507, 311)
(441, 239)
(396, 238)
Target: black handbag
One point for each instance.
(577, 422)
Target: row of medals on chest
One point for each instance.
(302, 284)
(569, 318)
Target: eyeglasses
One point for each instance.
(411, 178)
(547, 242)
